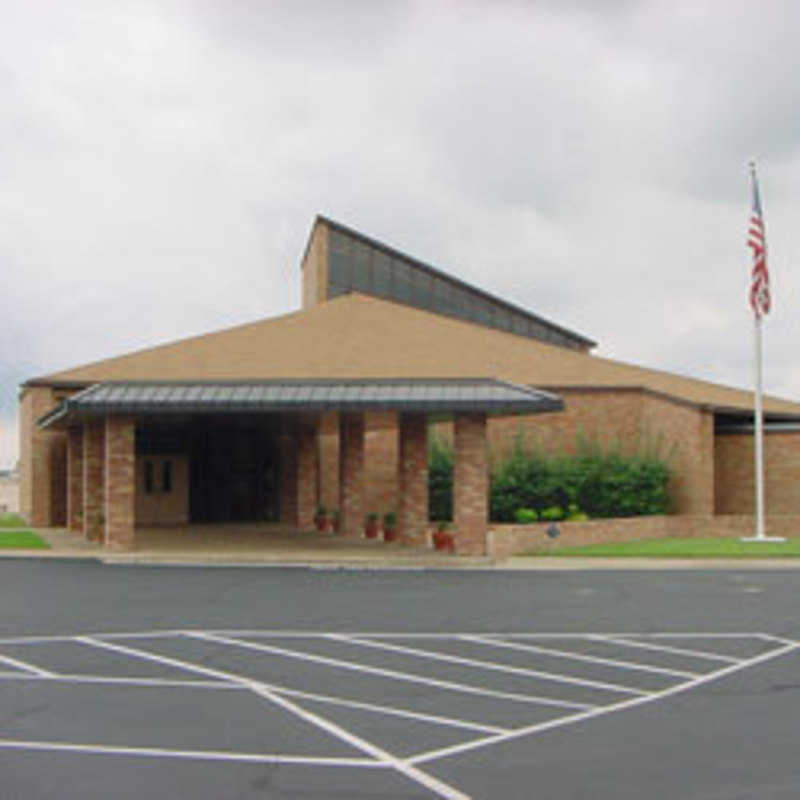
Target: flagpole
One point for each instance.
(758, 428)
(759, 308)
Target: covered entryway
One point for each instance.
(155, 453)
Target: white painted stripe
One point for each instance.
(488, 665)
(106, 679)
(15, 662)
(573, 718)
(681, 651)
(201, 755)
(780, 639)
(410, 771)
(611, 662)
(400, 676)
(390, 711)
(383, 756)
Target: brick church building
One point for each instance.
(332, 405)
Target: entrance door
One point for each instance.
(233, 471)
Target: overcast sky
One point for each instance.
(161, 164)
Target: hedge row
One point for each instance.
(598, 483)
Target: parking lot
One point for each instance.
(401, 709)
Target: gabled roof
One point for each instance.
(355, 336)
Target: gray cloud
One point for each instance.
(161, 163)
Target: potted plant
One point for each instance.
(335, 519)
(442, 538)
(321, 519)
(371, 526)
(390, 526)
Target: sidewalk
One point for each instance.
(257, 545)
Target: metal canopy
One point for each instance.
(435, 396)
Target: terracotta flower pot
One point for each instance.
(444, 541)
(371, 530)
(389, 534)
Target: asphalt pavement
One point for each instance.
(287, 682)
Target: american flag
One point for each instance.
(757, 242)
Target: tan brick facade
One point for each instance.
(94, 467)
(160, 506)
(470, 483)
(351, 474)
(120, 482)
(299, 473)
(412, 512)
(735, 470)
(42, 452)
(315, 268)
(75, 478)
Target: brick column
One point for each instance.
(299, 473)
(351, 474)
(470, 484)
(75, 479)
(412, 512)
(120, 489)
(93, 479)
(307, 473)
(288, 473)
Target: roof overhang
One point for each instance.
(438, 397)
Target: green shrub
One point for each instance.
(595, 482)
(552, 513)
(525, 516)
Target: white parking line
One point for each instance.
(407, 769)
(409, 677)
(611, 662)
(665, 648)
(573, 718)
(487, 665)
(100, 679)
(23, 665)
(201, 755)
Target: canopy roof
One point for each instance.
(358, 337)
(439, 397)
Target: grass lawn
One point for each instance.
(682, 548)
(27, 540)
(11, 521)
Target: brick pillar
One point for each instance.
(75, 479)
(299, 473)
(307, 473)
(93, 479)
(412, 511)
(120, 494)
(288, 480)
(470, 484)
(351, 474)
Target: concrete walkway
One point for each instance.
(251, 544)
(259, 544)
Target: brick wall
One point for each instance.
(159, 507)
(605, 417)
(381, 451)
(685, 435)
(470, 483)
(94, 467)
(509, 540)
(351, 474)
(412, 472)
(120, 482)
(75, 478)
(735, 470)
(315, 268)
(42, 491)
